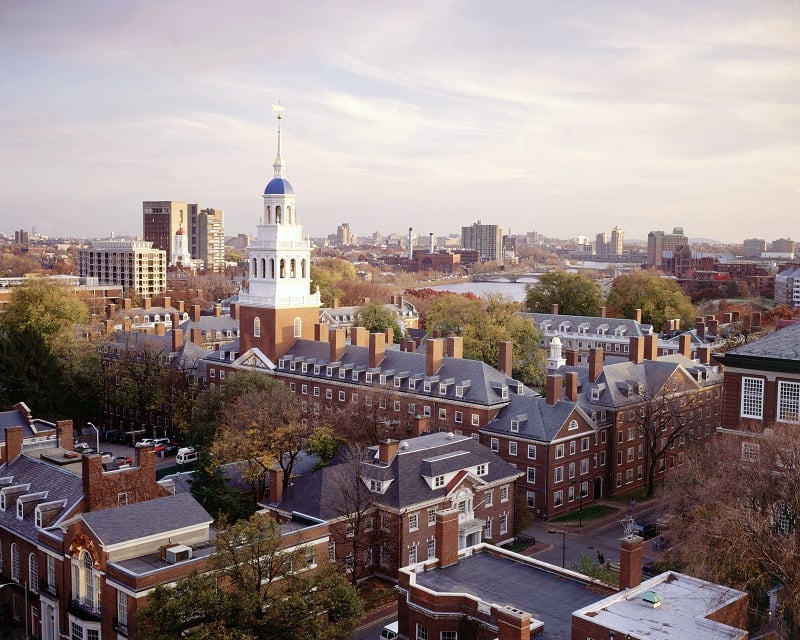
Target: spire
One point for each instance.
(280, 168)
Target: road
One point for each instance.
(124, 450)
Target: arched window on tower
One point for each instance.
(272, 268)
(289, 215)
(254, 268)
(257, 327)
(263, 268)
(283, 268)
(277, 215)
(303, 268)
(298, 327)
(269, 215)
(292, 270)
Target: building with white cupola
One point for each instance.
(278, 307)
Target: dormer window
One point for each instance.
(427, 385)
(281, 364)
(504, 392)
(355, 376)
(304, 367)
(412, 384)
(382, 380)
(342, 373)
(20, 510)
(292, 365)
(515, 426)
(442, 389)
(438, 482)
(317, 369)
(329, 371)
(397, 382)
(596, 393)
(482, 469)
(368, 377)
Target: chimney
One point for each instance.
(147, 304)
(401, 301)
(700, 328)
(336, 337)
(637, 315)
(177, 339)
(447, 537)
(14, 438)
(571, 386)
(196, 335)
(420, 426)
(364, 301)
(388, 335)
(455, 346)
(410, 244)
(709, 318)
(630, 561)
(387, 450)
(64, 433)
(110, 310)
(437, 333)
(321, 332)
(335, 303)
(126, 304)
(651, 347)
(167, 302)
(275, 485)
(756, 322)
(108, 326)
(704, 354)
(595, 363)
(430, 237)
(685, 344)
(359, 336)
(602, 312)
(234, 310)
(554, 309)
(434, 354)
(571, 357)
(512, 623)
(181, 306)
(553, 388)
(127, 323)
(176, 320)
(377, 349)
(217, 310)
(506, 357)
(636, 349)
(411, 345)
(195, 313)
(161, 329)
(712, 326)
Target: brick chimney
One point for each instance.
(596, 356)
(126, 304)
(167, 302)
(127, 323)
(181, 306)
(447, 537)
(14, 438)
(161, 329)
(420, 426)
(700, 328)
(234, 310)
(434, 355)
(437, 333)
(196, 335)
(177, 339)
(217, 310)
(637, 315)
(337, 337)
(387, 449)
(108, 326)
(455, 346)
(571, 357)
(194, 313)
(377, 349)
(602, 312)
(388, 335)
(411, 345)
(321, 332)
(704, 354)
(111, 309)
(512, 624)
(64, 433)
(685, 344)
(176, 320)
(554, 309)
(275, 485)
(651, 347)
(506, 363)
(630, 561)
(335, 303)
(553, 388)
(571, 386)
(359, 337)
(147, 304)
(636, 349)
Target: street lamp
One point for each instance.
(563, 546)
(96, 435)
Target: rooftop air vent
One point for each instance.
(178, 553)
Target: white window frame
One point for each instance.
(788, 402)
(752, 398)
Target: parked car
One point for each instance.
(122, 460)
(165, 450)
(151, 442)
(649, 530)
(186, 455)
(83, 447)
(389, 632)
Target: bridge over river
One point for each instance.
(505, 277)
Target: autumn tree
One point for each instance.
(660, 299)
(254, 589)
(574, 294)
(734, 513)
(326, 274)
(377, 318)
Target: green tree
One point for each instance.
(326, 274)
(262, 593)
(574, 294)
(377, 318)
(660, 299)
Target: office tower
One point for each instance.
(486, 239)
(134, 265)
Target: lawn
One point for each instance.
(592, 512)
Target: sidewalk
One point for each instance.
(639, 513)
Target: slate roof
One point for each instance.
(485, 382)
(188, 356)
(778, 351)
(632, 328)
(537, 420)
(58, 483)
(435, 454)
(223, 323)
(149, 518)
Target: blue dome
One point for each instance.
(279, 187)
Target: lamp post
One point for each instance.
(563, 546)
(96, 435)
(25, 590)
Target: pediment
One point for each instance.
(254, 359)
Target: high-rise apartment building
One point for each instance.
(487, 239)
(658, 242)
(601, 244)
(617, 241)
(134, 265)
(161, 220)
(345, 237)
(211, 240)
(754, 247)
(782, 245)
(204, 229)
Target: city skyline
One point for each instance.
(566, 120)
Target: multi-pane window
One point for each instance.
(494, 444)
(532, 451)
(122, 608)
(750, 451)
(788, 401)
(531, 478)
(558, 474)
(531, 499)
(449, 635)
(512, 448)
(487, 528)
(571, 447)
(431, 517)
(503, 523)
(558, 498)
(559, 451)
(752, 398)
(431, 548)
(33, 571)
(413, 522)
(412, 553)
(488, 498)
(504, 493)
(51, 571)
(422, 632)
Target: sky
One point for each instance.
(567, 118)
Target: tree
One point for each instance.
(734, 516)
(660, 299)
(574, 294)
(264, 593)
(377, 318)
(326, 274)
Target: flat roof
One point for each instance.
(682, 613)
(548, 593)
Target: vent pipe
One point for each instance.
(410, 245)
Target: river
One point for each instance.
(513, 290)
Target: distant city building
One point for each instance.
(239, 242)
(782, 245)
(344, 236)
(753, 247)
(135, 265)
(161, 220)
(21, 237)
(787, 287)
(658, 242)
(210, 240)
(204, 230)
(601, 243)
(487, 239)
(617, 241)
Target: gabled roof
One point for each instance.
(542, 421)
(144, 519)
(778, 351)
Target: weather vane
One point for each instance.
(278, 108)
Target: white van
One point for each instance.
(389, 631)
(186, 455)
